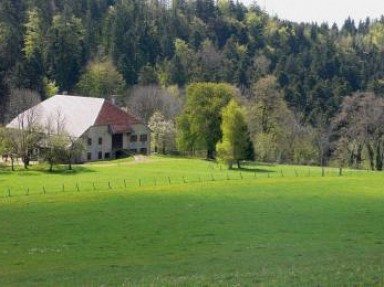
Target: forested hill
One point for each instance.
(46, 46)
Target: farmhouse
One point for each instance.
(107, 131)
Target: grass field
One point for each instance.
(183, 222)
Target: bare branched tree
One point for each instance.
(8, 145)
(55, 139)
(59, 145)
(29, 134)
(360, 126)
(144, 101)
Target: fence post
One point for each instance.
(125, 184)
(44, 191)
(77, 187)
(63, 188)
(109, 185)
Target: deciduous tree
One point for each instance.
(101, 79)
(199, 125)
(233, 145)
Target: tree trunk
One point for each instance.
(210, 154)
(359, 158)
(371, 156)
(379, 158)
(25, 162)
(70, 161)
(238, 164)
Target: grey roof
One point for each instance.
(78, 113)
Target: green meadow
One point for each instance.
(188, 222)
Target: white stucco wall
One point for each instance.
(105, 148)
(140, 130)
(94, 133)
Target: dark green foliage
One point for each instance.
(316, 65)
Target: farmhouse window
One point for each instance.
(89, 141)
(133, 151)
(143, 150)
(107, 155)
(143, 138)
(100, 141)
(100, 155)
(133, 138)
(89, 156)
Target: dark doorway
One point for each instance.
(117, 141)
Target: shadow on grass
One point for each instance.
(253, 167)
(37, 170)
(257, 170)
(66, 171)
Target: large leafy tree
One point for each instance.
(234, 143)
(199, 125)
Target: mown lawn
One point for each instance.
(180, 222)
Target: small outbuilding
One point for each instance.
(107, 131)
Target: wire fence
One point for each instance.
(129, 184)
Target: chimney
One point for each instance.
(114, 99)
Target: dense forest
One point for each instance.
(311, 77)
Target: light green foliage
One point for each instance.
(265, 115)
(266, 147)
(224, 7)
(33, 38)
(199, 125)
(182, 50)
(233, 145)
(101, 79)
(278, 134)
(303, 230)
(50, 87)
(375, 36)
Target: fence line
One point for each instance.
(136, 184)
